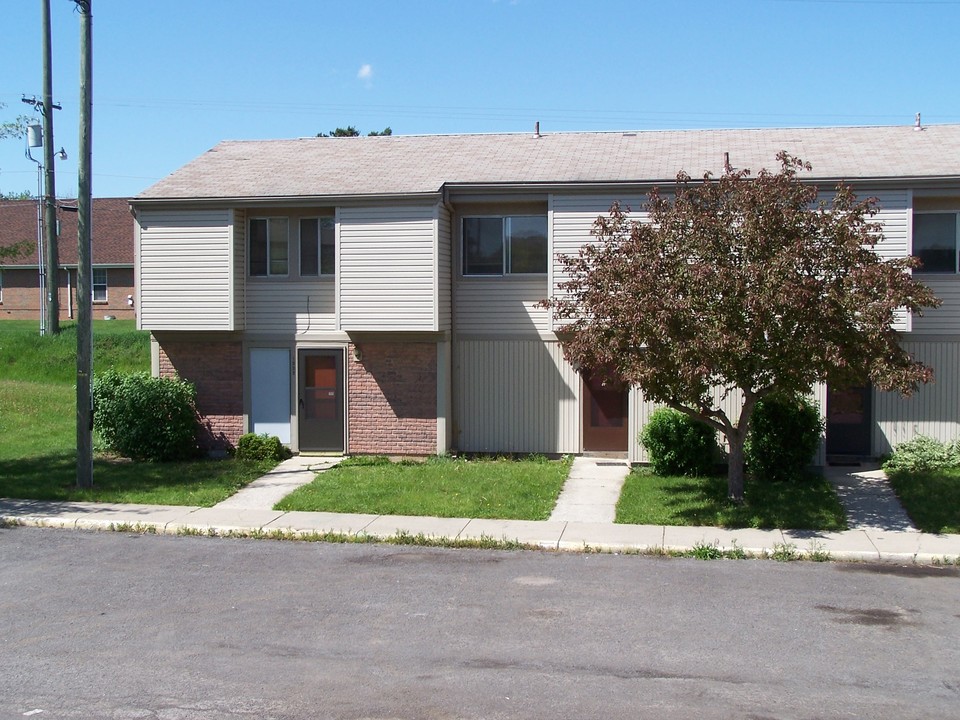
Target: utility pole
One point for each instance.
(84, 255)
(52, 260)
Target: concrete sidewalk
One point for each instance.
(583, 520)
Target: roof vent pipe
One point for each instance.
(536, 129)
(917, 125)
(726, 163)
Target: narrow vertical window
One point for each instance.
(99, 285)
(269, 246)
(483, 246)
(258, 246)
(309, 247)
(279, 246)
(328, 240)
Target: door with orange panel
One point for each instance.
(320, 403)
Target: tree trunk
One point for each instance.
(735, 467)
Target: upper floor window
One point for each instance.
(935, 241)
(509, 245)
(269, 246)
(99, 285)
(317, 247)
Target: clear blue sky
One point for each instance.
(173, 78)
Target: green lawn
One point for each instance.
(932, 498)
(649, 499)
(525, 489)
(38, 425)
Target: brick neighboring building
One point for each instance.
(113, 260)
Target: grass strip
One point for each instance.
(931, 498)
(649, 499)
(199, 482)
(511, 489)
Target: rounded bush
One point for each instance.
(679, 445)
(784, 435)
(145, 418)
(921, 454)
(261, 447)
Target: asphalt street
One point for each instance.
(117, 626)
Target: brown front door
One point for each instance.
(605, 424)
(320, 405)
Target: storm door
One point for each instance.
(849, 420)
(320, 400)
(605, 426)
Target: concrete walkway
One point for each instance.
(868, 499)
(265, 492)
(591, 491)
(890, 541)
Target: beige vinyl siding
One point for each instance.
(515, 396)
(503, 305)
(185, 266)
(944, 320)
(444, 268)
(291, 306)
(571, 221)
(934, 410)
(239, 268)
(387, 268)
(894, 213)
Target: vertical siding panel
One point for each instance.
(514, 396)
(934, 410)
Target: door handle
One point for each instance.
(301, 403)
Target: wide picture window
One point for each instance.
(511, 245)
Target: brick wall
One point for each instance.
(392, 392)
(216, 370)
(21, 295)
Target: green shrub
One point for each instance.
(679, 445)
(923, 453)
(261, 447)
(784, 434)
(145, 418)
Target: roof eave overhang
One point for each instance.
(241, 201)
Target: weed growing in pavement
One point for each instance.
(785, 552)
(817, 552)
(138, 528)
(705, 551)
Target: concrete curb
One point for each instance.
(864, 544)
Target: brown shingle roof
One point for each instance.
(316, 167)
(112, 237)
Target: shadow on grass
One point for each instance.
(196, 482)
(808, 504)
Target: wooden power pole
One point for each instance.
(52, 255)
(84, 259)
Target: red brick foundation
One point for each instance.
(392, 391)
(216, 370)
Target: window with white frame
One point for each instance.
(935, 237)
(505, 245)
(269, 246)
(99, 285)
(317, 247)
